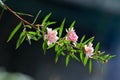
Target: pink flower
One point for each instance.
(106, 61)
(89, 50)
(72, 36)
(51, 36)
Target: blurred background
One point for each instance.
(99, 18)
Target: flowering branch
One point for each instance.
(67, 46)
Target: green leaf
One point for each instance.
(82, 39)
(90, 65)
(60, 50)
(97, 47)
(39, 34)
(50, 46)
(21, 39)
(63, 53)
(106, 56)
(1, 4)
(35, 38)
(61, 28)
(29, 41)
(29, 38)
(67, 59)
(85, 61)
(28, 26)
(56, 48)
(56, 58)
(81, 56)
(75, 57)
(72, 25)
(44, 46)
(24, 14)
(111, 57)
(56, 29)
(14, 31)
(46, 18)
(32, 33)
(36, 17)
(89, 40)
(50, 23)
(101, 53)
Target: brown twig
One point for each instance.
(23, 20)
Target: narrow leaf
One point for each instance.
(50, 23)
(67, 59)
(75, 57)
(56, 29)
(44, 46)
(63, 53)
(56, 58)
(29, 39)
(90, 65)
(35, 38)
(60, 50)
(85, 61)
(36, 17)
(21, 39)
(46, 18)
(50, 46)
(81, 56)
(97, 47)
(28, 26)
(24, 14)
(14, 31)
(72, 25)
(56, 48)
(1, 3)
(89, 40)
(39, 34)
(82, 39)
(61, 28)
(32, 33)
(106, 56)
(111, 57)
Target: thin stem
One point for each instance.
(23, 20)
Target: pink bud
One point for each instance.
(51, 36)
(106, 61)
(89, 50)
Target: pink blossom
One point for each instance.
(51, 36)
(106, 61)
(72, 36)
(89, 50)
